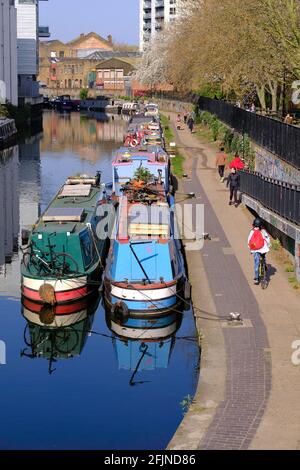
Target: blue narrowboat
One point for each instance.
(145, 272)
(128, 160)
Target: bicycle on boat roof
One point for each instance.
(49, 263)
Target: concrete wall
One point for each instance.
(8, 52)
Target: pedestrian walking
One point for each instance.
(221, 162)
(233, 182)
(185, 117)
(178, 122)
(191, 124)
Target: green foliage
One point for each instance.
(247, 151)
(186, 403)
(127, 98)
(143, 174)
(3, 110)
(178, 161)
(210, 91)
(228, 137)
(233, 143)
(289, 268)
(177, 164)
(84, 94)
(294, 282)
(276, 245)
(215, 128)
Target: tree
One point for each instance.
(236, 47)
(84, 94)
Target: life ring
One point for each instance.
(133, 143)
(120, 312)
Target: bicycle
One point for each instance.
(49, 263)
(262, 272)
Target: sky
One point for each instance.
(67, 19)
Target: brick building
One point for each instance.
(88, 61)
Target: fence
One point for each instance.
(275, 136)
(277, 196)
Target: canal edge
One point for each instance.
(211, 387)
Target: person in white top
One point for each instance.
(259, 244)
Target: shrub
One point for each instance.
(84, 94)
(228, 137)
(143, 174)
(3, 110)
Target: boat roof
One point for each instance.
(126, 156)
(141, 118)
(153, 214)
(71, 209)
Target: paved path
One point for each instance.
(253, 411)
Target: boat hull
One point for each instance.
(151, 301)
(65, 291)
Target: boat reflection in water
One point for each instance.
(143, 344)
(57, 332)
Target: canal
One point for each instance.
(88, 383)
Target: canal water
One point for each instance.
(87, 385)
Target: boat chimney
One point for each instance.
(159, 176)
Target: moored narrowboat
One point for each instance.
(145, 270)
(128, 160)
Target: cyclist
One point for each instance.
(259, 244)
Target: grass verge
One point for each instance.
(177, 162)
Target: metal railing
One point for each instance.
(277, 137)
(277, 196)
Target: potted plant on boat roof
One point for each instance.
(143, 174)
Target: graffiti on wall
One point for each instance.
(271, 167)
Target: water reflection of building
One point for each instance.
(20, 188)
(58, 332)
(86, 135)
(9, 207)
(30, 180)
(142, 344)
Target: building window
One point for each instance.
(69, 83)
(61, 54)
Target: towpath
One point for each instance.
(249, 388)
